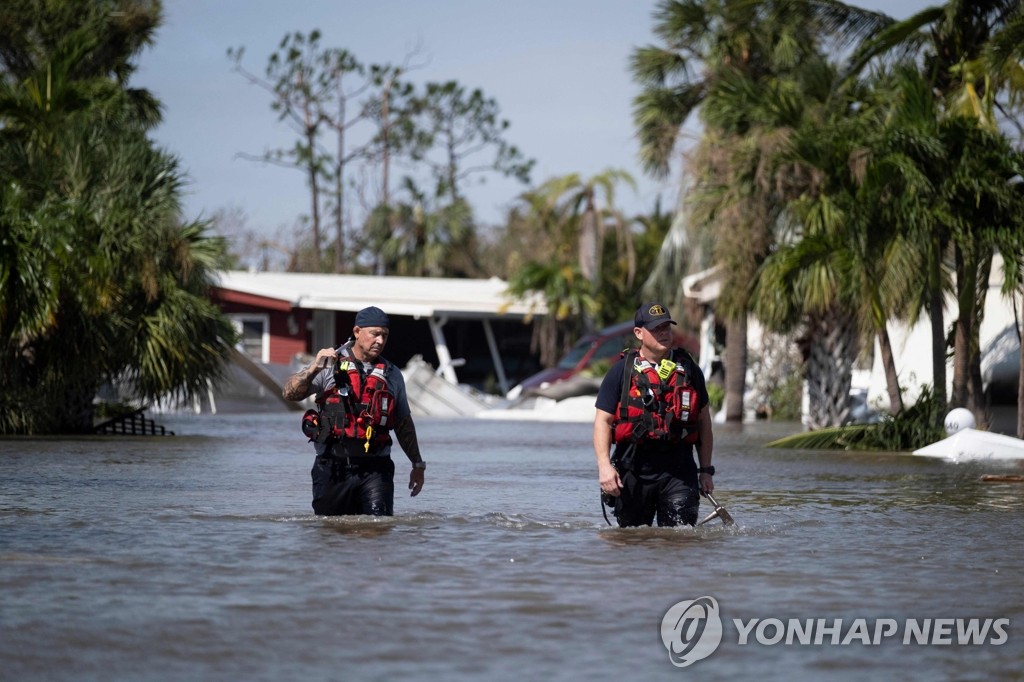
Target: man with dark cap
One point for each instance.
(361, 397)
(653, 405)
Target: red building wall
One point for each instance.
(288, 327)
(284, 345)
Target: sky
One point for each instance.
(558, 70)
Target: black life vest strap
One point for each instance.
(627, 381)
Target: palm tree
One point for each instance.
(970, 55)
(912, 157)
(564, 222)
(568, 297)
(726, 52)
(87, 40)
(417, 238)
(843, 274)
(102, 281)
(581, 212)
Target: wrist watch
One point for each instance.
(419, 465)
(709, 470)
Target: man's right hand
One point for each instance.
(325, 357)
(609, 479)
(297, 385)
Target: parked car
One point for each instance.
(605, 344)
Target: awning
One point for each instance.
(436, 299)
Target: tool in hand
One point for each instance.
(720, 512)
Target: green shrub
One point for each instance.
(716, 396)
(785, 398)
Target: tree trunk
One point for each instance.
(589, 260)
(892, 380)
(829, 368)
(310, 128)
(339, 186)
(966, 276)
(385, 190)
(385, 142)
(735, 368)
(976, 387)
(936, 311)
(314, 191)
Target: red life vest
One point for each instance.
(658, 403)
(358, 407)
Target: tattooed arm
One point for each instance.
(298, 385)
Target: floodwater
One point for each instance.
(196, 557)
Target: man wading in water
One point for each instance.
(361, 397)
(654, 404)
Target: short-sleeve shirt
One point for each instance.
(324, 380)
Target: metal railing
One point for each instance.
(133, 424)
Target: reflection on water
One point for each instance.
(197, 557)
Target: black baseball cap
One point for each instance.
(372, 317)
(650, 315)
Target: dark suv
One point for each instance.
(605, 344)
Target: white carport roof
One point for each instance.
(419, 297)
(435, 299)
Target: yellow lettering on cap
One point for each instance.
(656, 310)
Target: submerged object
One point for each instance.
(969, 444)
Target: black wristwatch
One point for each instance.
(710, 471)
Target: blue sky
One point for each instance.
(559, 70)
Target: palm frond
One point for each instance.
(832, 438)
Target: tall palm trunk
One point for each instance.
(339, 187)
(829, 368)
(936, 312)
(892, 380)
(976, 387)
(966, 282)
(735, 368)
(589, 255)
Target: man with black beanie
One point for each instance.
(361, 398)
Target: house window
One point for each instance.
(254, 338)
